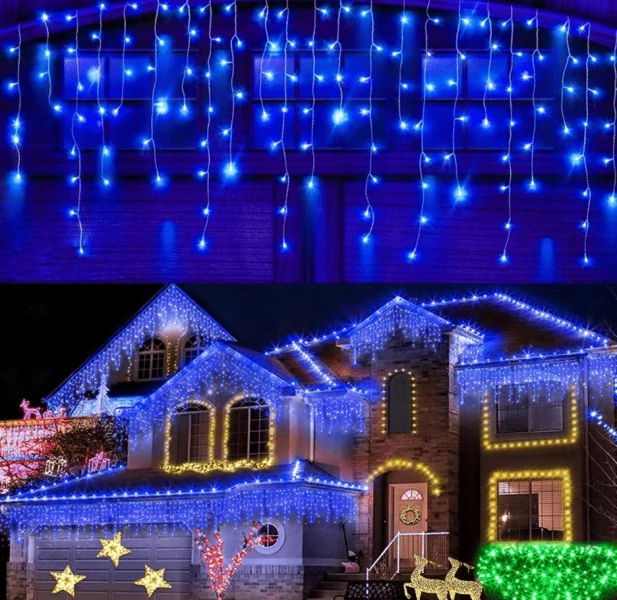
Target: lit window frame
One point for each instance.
(497, 477)
(170, 467)
(260, 463)
(197, 350)
(385, 398)
(491, 440)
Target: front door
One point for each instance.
(408, 516)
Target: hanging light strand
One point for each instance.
(47, 73)
(566, 29)
(100, 107)
(370, 178)
(187, 70)
(311, 181)
(489, 83)
(157, 42)
(264, 14)
(285, 178)
(587, 192)
(613, 197)
(536, 52)
(16, 126)
(401, 53)
(231, 167)
(508, 156)
(340, 116)
(206, 142)
(423, 158)
(459, 193)
(125, 40)
(76, 150)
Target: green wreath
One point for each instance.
(403, 515)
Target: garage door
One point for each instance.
(161, 548)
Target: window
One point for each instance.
(530, 510)
(399, 403)
(411, 495)
(249, 430)
(521, 410)
(174, 128)
(348, 129)
(268, 535)
(151, 360)
(190, 434)
(271, 537)
(442, 72)
(193, 347)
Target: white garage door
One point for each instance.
(163, 548)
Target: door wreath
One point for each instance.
(405, 511)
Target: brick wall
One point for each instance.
(276, 582)
(435, 442)
(19, 579)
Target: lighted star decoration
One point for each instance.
(153, 580)
(66, 581)
(113, 549)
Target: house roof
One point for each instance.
(512, 327)
(121, 483)
(154, 309)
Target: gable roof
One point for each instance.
(171, 305)
(190, 375)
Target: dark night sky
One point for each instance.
(51, 330)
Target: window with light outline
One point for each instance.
(127, 100)
(530, 505)
(334, 129)
(151, 357)
(398, 404)
(190, 433)
(494, 439)
(249, 431)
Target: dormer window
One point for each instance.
(151, 357)
(191, 434)
(249, 430)
(193, 347)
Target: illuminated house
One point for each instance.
(389, 143)
(440, 425)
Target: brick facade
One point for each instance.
(435, 442)
(19, 580)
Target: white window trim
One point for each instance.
(279, 543)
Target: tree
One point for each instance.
(219, 573)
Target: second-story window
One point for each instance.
(190, 434)
(151, 360)
(335, 127)
(249, 430)
(193, 347)
(519, 410)
(399, 403)
(126, 101)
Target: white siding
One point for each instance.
(171, 550)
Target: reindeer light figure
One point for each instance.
(29, 412)
(459, 586)
(422, 584)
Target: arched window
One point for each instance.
(193, 347)
(399, 403)
(249, 430)
(411, 495)
(190, 434)
(151, 360)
